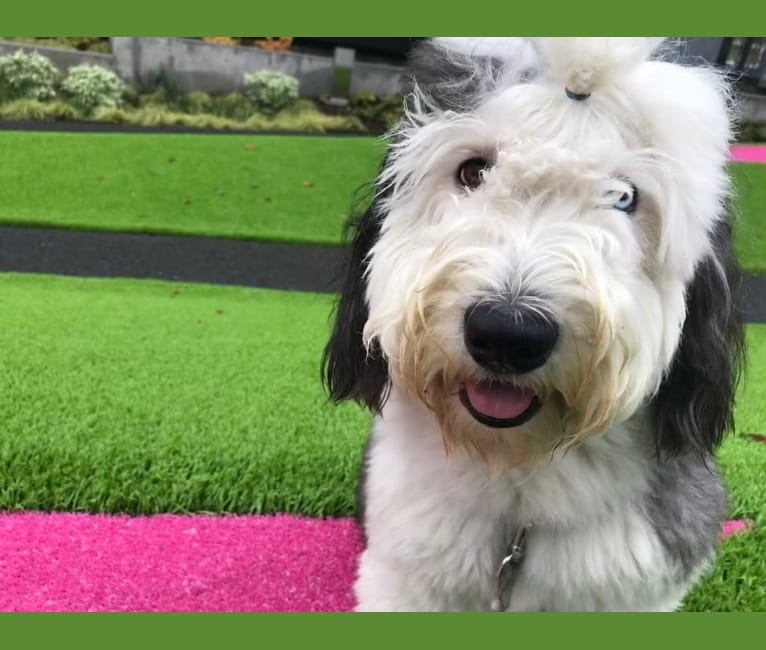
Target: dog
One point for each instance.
(542, 308)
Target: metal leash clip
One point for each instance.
(503, 578)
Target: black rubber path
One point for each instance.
(170, 257)
(72, 126)
(298, 267)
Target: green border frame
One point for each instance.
(355, 18)
(363, 631)
(395, 18)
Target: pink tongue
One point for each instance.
(499, 401)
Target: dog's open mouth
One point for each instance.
(499, 405)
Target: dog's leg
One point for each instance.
(382, 587)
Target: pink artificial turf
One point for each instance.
(79, 562)
(734, 526)
(749, 153)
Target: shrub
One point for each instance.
(752, 132)
(88, 43)
(235, 106)
(32, 109)
(27, 76)
(160, 83)
(197, 102)
(156, 98)
(379, 111)
(100, 44)
(275, 42)
(271, 91)
(90, 86)
(115, 114)
(304, 116)
(130, 96)
(221, 40)
(153, 115)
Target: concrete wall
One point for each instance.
(62, 59)
(753, 108)
(196, 65)
(707, 49)
(377, 78)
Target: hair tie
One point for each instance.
(576, 96)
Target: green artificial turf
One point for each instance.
(750, 215)
(145, 397)
(737, 582)
(284, 188)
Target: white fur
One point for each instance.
(438, 526)
(541, 229)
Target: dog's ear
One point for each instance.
(694, 405)
(350, 371)
(448, 79)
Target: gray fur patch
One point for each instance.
(452, 80)
(687, 505)
(361, 488)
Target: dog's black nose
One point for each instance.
(507, 339)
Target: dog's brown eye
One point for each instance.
(469, 174)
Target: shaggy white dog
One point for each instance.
(541, 305)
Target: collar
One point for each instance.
(505, 575)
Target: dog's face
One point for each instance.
(527, 269)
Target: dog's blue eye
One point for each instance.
(628, 200)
